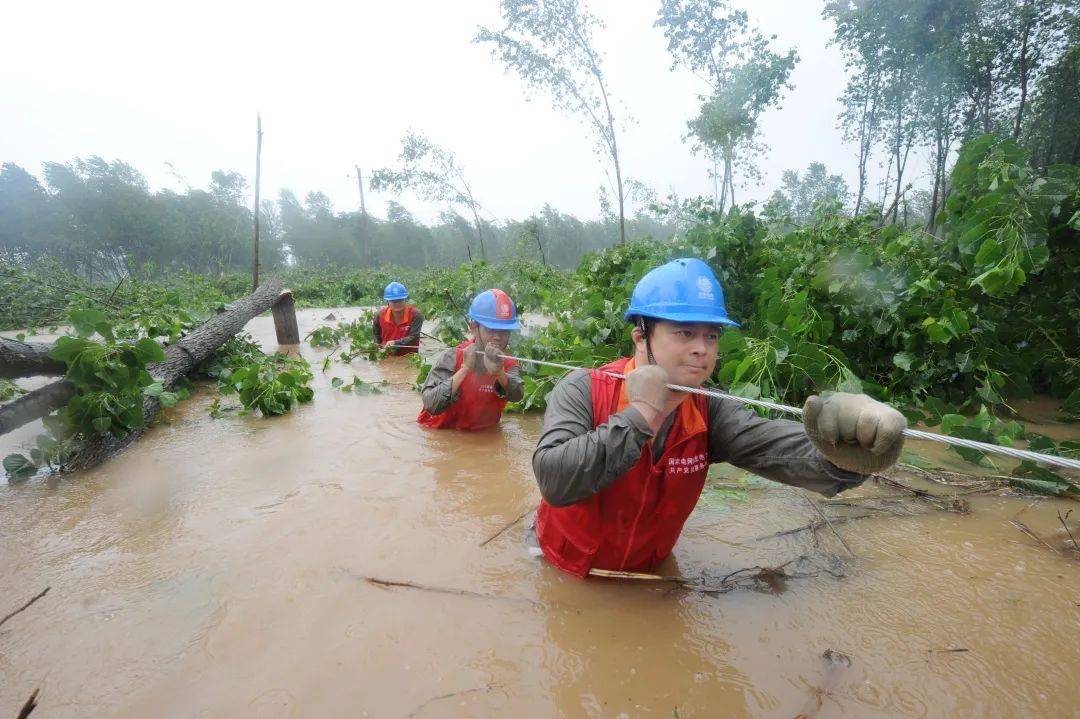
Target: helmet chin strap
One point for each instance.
(645, 333)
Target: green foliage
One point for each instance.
(271, 384)
(358, 386)
(9, 390)
(1000, 212)
(359, 333)
(110, 377)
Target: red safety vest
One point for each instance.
(477, 406)
(633, 524)
(391, 331)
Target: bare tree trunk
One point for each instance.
(25, 359)
(258, 177)
(479, 234)
(1023, 69)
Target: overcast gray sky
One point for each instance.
(339, 83)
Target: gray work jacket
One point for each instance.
(574, 461)
(436, 390)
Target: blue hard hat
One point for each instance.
(395, 291)
(495, 310)
(683, 290)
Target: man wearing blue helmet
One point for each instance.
(468, 386)
(398, 324)
(621, 463)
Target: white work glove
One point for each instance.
(648, 385)
(854, 432)
(493, 364)
(470, 358)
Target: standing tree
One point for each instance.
(433, 173)
(746, 77)
(549, 44)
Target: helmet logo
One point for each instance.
(705, 290)
(502, 305)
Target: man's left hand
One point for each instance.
(493, 364)
(854, 432)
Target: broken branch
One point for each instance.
(24, 607)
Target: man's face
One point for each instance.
(397, 305)
(499, 338)
(686, 350)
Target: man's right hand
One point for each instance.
(646, 390)
(472, 358)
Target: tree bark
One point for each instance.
(180, 359)
(35, 404)
(1023, 73)
(25, 359)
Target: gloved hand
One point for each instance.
(647, 385)
(471, 357)
(493, 364)
(854, 432)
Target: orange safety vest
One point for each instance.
(633, 524)
(477, 406)
(391, 330)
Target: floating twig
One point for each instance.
(1067, 530)
(769, 577)
(815, 525)
(830, 524)
(506, 526)
(1026, 530)
(450, 695)
(24, 607)
(949, 504)
(388, 583)
(29, 706)
(947, 650)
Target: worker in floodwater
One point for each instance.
(468, 386)
(397, 325)
(621, 463)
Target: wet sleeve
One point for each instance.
(574, 461)
(777, 449)
(515, 386)
(436, 391)
(377, 328)
(413, 338)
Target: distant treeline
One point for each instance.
(101, 220)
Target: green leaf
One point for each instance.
(989, 253)
(18, 466)
(1040, 486)
(903, 360)
(147, 350)
(85, 322)
(67, 349)
(168, 399)
(102, 424)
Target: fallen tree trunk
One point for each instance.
(25, 359)
(180, 359)
(35, 404)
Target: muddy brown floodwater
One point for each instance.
(215, 569)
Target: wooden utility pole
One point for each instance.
(360, 182)
(258, 175)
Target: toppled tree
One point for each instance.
(113, 390)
